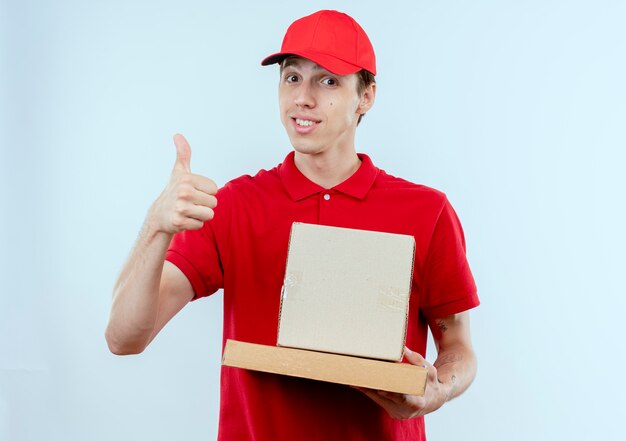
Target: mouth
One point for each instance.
(304, 122)
(304, 125)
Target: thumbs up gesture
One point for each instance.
(188, 200)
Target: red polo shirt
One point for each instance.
(244, 251)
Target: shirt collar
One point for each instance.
(300, 187)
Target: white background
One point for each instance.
(516, 110)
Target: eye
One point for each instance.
(329, 81)
(291, 78)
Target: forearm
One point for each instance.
(145, 296)
(136, 294)
(456, 369)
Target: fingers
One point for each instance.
(194, 203)
(375, 395)
(186, 223)
(393, 396)
(189, 182)
(415, 358)
(203, 199)
(183, 154)
(188, 200)
(204, 184)
(403, 406)
(192, 209)
(194, 212)
(393, 408)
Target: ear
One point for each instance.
(367, 99)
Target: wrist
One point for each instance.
(152, 229)
(447, 389)
(153, 223)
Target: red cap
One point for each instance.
(331, 39)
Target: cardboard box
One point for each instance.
(346, 291)
(381, 375)
(344, 311)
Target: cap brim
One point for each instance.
(328, 62)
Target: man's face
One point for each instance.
(319, 109)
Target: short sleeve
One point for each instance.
(449, 286)
(199, 253)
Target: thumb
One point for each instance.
(183, 154)
(414, 358)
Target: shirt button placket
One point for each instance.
(325, 200)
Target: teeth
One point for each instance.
(304, 122)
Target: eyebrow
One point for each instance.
(295, 61)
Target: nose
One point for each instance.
(304, 95)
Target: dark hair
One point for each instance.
(365, 78)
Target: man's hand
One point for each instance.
(187, 201)
(150, 291)
(403, 406)
(453, 371)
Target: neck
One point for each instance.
(329, 168)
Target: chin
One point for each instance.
(306, 148)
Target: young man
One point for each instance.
(190, 247)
